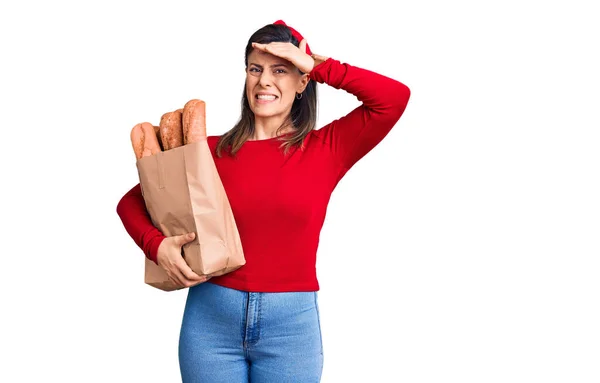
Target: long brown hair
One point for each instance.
(303, 116)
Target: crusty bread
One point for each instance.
(157, 131)
(143, 140)
(137, 140)
(176, 128)
(194, 121)
(151, 146)
(171, 132)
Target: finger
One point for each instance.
(283, 52)
(174, 277)
(181, 240)
(204, 279)
(175, 281)
(286, 51)
(180, 279)
(188, 273)
(303, 46)
(269, 48)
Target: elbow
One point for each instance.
(401, 97)
(125, 201)
(120, 206)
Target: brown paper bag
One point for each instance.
(183, 193)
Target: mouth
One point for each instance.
(265, 98)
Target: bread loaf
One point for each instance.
(143, 140)
(171, 132)
(180, 127)
(157, 131)
(194, 121)
(137, 140)
(151, 146)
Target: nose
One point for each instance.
(266, 78)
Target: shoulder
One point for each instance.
(318, 132)
(321, 134)
(213, 140)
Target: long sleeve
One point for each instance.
(383, 102)
(138, 224)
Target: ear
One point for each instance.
(303, 82)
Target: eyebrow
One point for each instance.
(272, 66)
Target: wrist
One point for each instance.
(318, 59)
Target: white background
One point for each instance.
(464, 248)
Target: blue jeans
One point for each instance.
(232, 336)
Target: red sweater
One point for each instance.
(279, 203)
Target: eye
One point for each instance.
(280, 71)
(254, 69)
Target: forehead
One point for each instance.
(265, 59)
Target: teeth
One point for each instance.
(266, 97)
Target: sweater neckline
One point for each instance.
(271, 138)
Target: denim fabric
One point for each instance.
(232, 336)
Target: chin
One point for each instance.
(266, 112)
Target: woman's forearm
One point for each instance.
(138, 224)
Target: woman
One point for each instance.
(260, 323)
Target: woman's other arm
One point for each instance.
(138, 224)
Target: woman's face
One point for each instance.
(272, 84)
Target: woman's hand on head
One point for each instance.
(170, 259)
(295, 55)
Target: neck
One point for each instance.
(265, 128)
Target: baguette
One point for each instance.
(157, 131)
(171, 132)
(143, 140)
(194, 121)
(137, 140)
